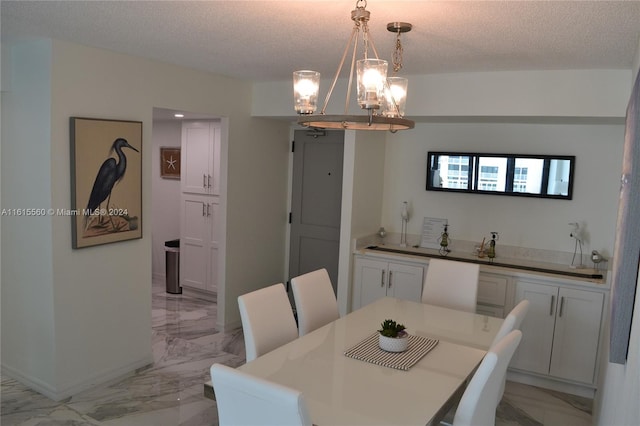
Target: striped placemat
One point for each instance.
(369, 351)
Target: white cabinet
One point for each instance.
(200, 158)
(560, 332)
(199, 216)
(374, 279)
(492, 294)
(199, 242)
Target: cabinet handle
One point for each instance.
(553, 298)
(390, 278)
(204, 181)
(208, 209)
(209, 181)
(204, 212)
(561, 305)
(382, 279)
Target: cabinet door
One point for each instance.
(492, 289)
(193, 243)
(214, 171)
(405, 282)
(575, 342)
(370, 282)
(212, 230)
(196, 157)
(534, 352)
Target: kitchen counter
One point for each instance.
(587, 274)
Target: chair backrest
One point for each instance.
(316, 303)
(478, 404)
(243, 399)
(512, 321)
(267, 320)
(451, 284)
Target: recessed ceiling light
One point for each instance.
(178, 115)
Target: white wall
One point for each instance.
(257, 215)
(87, 312)
(552, 95)
(363, 176)
(524, 222)
(28, 335)
(573, 112)
(165, 199)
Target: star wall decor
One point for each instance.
(170, 163)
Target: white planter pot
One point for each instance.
(394, 344)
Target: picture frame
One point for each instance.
(170, 162)
(106, 181)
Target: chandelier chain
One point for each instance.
(397, 55)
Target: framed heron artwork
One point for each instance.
(106, 181)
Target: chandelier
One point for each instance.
(383, 98)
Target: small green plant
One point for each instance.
(391, 329)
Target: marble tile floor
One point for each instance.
(170, 391)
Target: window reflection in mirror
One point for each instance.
(451, 172)
(505, 174)
(492, 174)
(560, 172)
(527, 175)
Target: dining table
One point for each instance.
(347, 380)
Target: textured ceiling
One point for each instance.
(267, 40)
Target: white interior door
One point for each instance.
(316, 202)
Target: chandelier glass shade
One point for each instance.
(382, 98)
(305, 87)
(395, 97)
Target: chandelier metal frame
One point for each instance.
(373, 120)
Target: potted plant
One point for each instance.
(393, 337)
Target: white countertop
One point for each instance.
(499, 264)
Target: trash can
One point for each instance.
(172, 260)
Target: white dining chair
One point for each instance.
(315, 300)
(267, 320)
(451, 284)
(478, 404)
(512, 321)
(243, 399)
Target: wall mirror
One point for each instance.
(543, 176)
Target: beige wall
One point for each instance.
(98, 318)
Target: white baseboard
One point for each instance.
(55, 394)
(230, 326)
(200, 294)
(552, 384)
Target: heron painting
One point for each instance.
(111, 172)
(106, 181)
